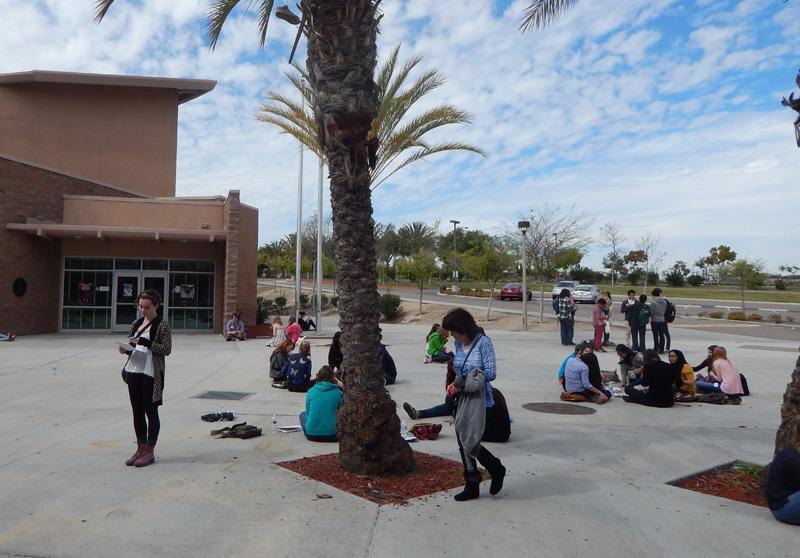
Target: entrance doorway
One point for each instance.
(127, 286)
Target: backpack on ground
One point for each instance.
(669, 313)
(745, 389)
(555, 305)
(644, 315)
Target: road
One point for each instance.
(687, 310)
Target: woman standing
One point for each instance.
(599, 322)
(475, 368)
(150, 340)
(566, 316)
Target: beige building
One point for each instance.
(89, 216)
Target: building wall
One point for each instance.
(31, 193)
(123, 136)
(248, 262)
(137, 212)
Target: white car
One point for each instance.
(569, 285)
(585, 293)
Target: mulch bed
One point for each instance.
(434, 474)
(735, 481)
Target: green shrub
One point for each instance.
(261, 309)
(389, 306)
(702, 314)
(755, 317)
(695, 280)
(716, 314)
(335, 301)
(280, 302)
(776, 318)
(675, 278)
(738, 316)
(635, 277)
(780, 285)
(653, 278)
(304, 298)
(324, 299)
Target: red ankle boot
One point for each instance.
(132, 459)
(147, 456)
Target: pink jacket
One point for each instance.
(598, 316)
(726, 373)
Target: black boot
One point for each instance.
(495, 468)
(472, 488)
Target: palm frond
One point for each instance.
(426, 151)
(542, 12)
(102, 7)
(264, 11)
(217, 16)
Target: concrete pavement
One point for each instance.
(576, 484)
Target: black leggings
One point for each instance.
(145, 412)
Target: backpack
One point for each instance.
(555, 305)
(745, 389)
(276, 364)
(669, 313)
(644, 315)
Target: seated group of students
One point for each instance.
(292, 371)
(663, 382)
(498, 421)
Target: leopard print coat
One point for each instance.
(161, 346)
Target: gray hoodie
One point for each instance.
(658, 307)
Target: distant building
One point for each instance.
(88, 213)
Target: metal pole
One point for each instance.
(524, 285)
(455, 256)
(319, 247)
(299, 238)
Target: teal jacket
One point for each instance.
(322, 402)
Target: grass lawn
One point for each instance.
(720, 292)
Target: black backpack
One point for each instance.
(669, 314)
(555, 305)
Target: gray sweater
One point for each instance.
(657, 309)
(471, 410)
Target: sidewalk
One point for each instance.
(577, 485)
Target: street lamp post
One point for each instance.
(523, 227)
(455, 255)
(298, 238)
(320, 267)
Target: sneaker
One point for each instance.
(412, 412)
(627, 398)
(427, 359)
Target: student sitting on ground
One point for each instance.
(318, 421)
(679, 365)
(627, 364)
(293, 330)
(724, 376)
(335, 356)
(7, 336)
(278, 333)
(576, 377)
(298, 369)
(306, 324)
(707, 362)
(234, 329)
(659, 378)
(782, 488)
(595, 374)
(277, 363)
(388, 366)
(562, 370)
(436, 339)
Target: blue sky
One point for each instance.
(662, 116)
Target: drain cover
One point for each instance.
(228, 395)
(559, 408)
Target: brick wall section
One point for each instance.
(30, 192)
(231, 302)
(248, 261)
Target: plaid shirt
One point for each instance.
(566, 308)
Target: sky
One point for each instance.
(661, 116)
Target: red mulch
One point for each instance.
(434, 474)
(733, 481)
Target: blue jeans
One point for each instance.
(790, 512)
(711, 387)
(567, 330)
(637, 343)
(443, 410)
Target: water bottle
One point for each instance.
(274, 422)
(403, 428)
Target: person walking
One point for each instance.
(606, 295)
(630, 310)
(658, 322)
(150, 341)
(475, 367)
(599, 322)
(566, 316)
(644, 319)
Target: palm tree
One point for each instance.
(415, 237)
(542, 12)
(395, 137)
(341, 60)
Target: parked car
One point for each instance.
(585, 293)
(569, 285)
(513, 291)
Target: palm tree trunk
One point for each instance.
(341, 63)
(789, 429)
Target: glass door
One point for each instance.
(126, 288)
(158, 282)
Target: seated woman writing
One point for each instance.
(724, 376)
(318, 421)
(437, 351)
(659, 378)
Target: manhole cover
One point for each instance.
(228, 395)
(559, 408)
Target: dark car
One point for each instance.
(513, 291)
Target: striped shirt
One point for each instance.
(483, 357)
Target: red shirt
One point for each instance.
(293, 332)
